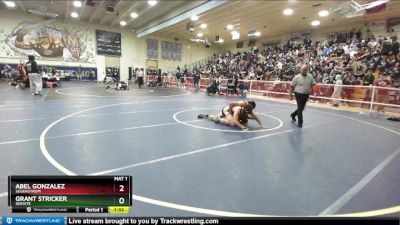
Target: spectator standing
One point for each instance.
(178, 77)
(159, 79)
(196, 79)
(368, 81)
(183, 78)
(7, 72)
(337, 90)
(91, 74)
(140, 75)
(169, 79)
(79, 73)
(22, 77)
(35, 81)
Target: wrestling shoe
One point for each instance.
(202, 116)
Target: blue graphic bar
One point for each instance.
(11, 220)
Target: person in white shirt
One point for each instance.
(346, 49)
(251, 74)
(219, 82)
(279, 65)
(337, 90)
(7, 72)
(168, 79)
(302, 85)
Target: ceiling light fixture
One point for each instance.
(77, 4)
(288, 12)
(122, 23)
(323, 13)
(203, 26)
(194, 18)
(74, 14)
(134, 15)
(235, 35)
(9, 4)
(152, 3)
(254, 33)
(229, 27)
(199, 35)
(315, 23)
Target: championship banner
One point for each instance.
(152, 49)
(171, 51)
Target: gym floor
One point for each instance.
(338, 163)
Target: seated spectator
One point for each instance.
(347, 54)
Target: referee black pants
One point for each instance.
(301, 100)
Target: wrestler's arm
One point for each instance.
(255, 117)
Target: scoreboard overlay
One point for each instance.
(89, 194)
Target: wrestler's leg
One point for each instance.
(226, 120)
(205, 116)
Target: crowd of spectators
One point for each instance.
(359, 59)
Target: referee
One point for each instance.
(302, 85)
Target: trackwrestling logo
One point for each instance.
(33, 220)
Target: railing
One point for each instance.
(351, 95)
(354, 96)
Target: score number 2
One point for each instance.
(121, 188)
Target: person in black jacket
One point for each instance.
(178, 78)
(196, 79)
(35, 80)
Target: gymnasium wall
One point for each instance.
(82, 47)
(191, 53)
